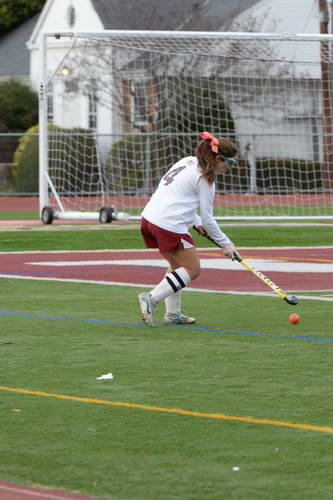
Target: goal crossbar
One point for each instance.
(233, 35)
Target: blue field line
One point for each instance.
(178, 327)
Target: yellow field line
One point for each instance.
(219, 416)
(298, 259)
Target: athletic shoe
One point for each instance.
(147, 308)
(178, 319)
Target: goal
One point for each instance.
(118, 108)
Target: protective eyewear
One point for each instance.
(229, 162)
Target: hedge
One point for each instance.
(71, 155)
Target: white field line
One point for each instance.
(212, 263)
(187, 289)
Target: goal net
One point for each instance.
(118, 108)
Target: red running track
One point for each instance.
(12, 491)
(24, 264)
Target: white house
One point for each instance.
(96, 15)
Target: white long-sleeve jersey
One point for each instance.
(181, 192)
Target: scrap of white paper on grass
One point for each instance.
(107, 376)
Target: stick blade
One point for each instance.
(293, 300)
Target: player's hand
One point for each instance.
(201, 230)
(231, 252)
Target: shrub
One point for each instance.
(26, 156)
(8, 144)
(275, 175)
(76, 150)
(288, 175)
(126, 164)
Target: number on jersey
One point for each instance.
(170, 176)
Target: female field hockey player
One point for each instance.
(188, 185)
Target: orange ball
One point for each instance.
(294, 319)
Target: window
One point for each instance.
(71, 86)
(140, 104)
(92, 108)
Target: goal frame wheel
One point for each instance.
(47, 215)
(106, 215)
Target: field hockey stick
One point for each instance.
(293, 300)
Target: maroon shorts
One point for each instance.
(165, 241)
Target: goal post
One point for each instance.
(118, 108)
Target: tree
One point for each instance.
(18, 105)
(168, 95)
(14, 13)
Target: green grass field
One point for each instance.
(18, 214)
(222, 211)
(241, 389)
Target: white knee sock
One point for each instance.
(170, 284)
(173, 303)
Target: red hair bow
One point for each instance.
(214, 143)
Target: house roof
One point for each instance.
(14, 55)
(187, 15)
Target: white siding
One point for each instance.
(69, 111)
(56, 20)
(290, 16)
